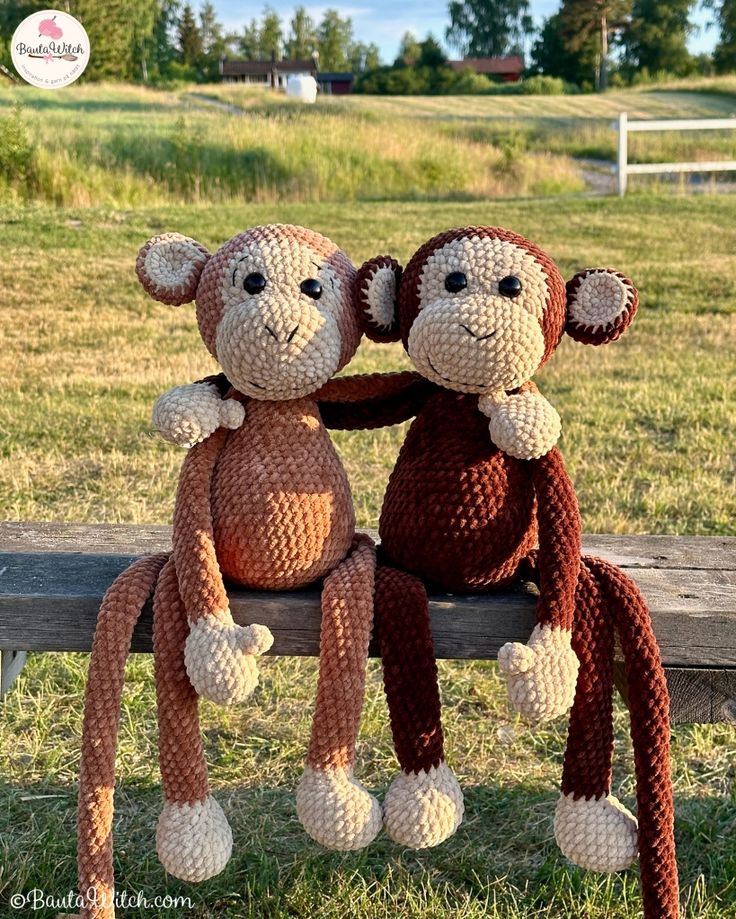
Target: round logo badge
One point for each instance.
(50, 49)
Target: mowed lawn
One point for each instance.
(648, 436)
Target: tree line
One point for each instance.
(159, 40)
(587, 43)
(594, 42)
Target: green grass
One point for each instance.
(648, 436)
(128, 147)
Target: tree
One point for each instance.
(271, 34)
(588, 24)
(409, 50)
(159, 49)
(488, 28)
(214, 44)
(364, 57)
(334, 41)
(190, 38)
(431, 54)
(249, 43)
(550, 54)
(302, 40)
(724, 55)
(656, 38)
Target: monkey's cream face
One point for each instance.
(478, 329)
(285, 316)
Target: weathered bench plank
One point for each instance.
(53, 576)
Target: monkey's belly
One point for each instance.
(457, 512)
(282, 509)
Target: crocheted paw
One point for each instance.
(523, 425)
(423, 809)
(194, 841)
(337, 811)
(541, 675)
(598, 834)
(187, 415)
(220, 658)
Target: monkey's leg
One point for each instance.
(333, 808)
(424, 804)
(120, 610)
(648, 698)
(592, 828)
(193, 838)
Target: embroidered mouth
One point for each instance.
(456, 382)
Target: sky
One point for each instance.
(385, 21)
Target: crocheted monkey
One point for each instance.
(479, 310)
(478, 485)
(265, 504)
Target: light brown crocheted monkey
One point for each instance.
(265, 504)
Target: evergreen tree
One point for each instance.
(302, 40)
(334, 41)
(550, 54)
(190, 38)
(488, 28)
(656, 39)
(431, 54)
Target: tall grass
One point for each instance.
(120, 151)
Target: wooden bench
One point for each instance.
(53, 576)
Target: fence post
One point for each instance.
(623, 139)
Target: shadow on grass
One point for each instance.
(501, 863)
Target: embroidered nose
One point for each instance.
(289, 337)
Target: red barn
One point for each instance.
(509, 69)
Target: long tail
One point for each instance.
(120, 610)
(650, 733)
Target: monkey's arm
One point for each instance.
(219, 653)
(372, 400)
(522, 423)
(542, 674)
(187, 415)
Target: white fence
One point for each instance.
(625, 127)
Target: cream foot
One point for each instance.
(194, 841)
(337, 811)
(597, 834)
(423, 809)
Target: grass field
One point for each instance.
(127, 147)
(648, 435)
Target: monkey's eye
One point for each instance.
(312, 288)
(455, 282)
(254, 283)
(510, 286)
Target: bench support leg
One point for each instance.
(11, 664)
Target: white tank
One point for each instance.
(302, 86)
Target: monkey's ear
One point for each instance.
(377, 291)
(169, 267)
(601, 304)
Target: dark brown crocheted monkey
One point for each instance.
(479, 310)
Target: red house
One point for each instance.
(509, 69)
